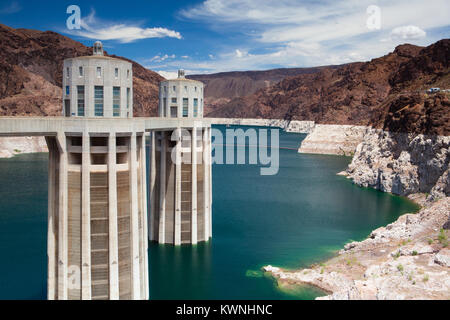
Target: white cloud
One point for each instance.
(259, 11)
(93, 28)
(408, 33)
(309, 33)
(161, 58)
(10, 8)
(331, 13)
(241, 54)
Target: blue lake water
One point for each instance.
(298, 217)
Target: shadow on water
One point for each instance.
(293, 219)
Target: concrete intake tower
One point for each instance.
(97, 235)
(98, 226)
(180, 183)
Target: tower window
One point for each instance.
(67, 73)
(128, 98)
(164, 107)
(116, 101)
(195, 89)
(128, 74)
(174, 100)
(99, 72)
(116, 72)
(98, 101)
(80, 100)
(195, 107)
(185, 89)
(165, 89)
(173, 112)
(185, 107)
(80, 70)
(174, 88)
(67, 90)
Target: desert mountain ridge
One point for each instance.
(221, 88)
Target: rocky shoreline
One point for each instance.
(12, 146)
(408, 259)
(287, 125)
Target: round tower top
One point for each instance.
(181, 74)
(98, 48)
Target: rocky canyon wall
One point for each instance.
(402, 163)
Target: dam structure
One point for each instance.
(98, 227)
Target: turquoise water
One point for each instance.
(298, 217)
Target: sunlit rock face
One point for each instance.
(402, 163)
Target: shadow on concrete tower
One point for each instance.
(180, 162)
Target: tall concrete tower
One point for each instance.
(97, 207)
(180, 182)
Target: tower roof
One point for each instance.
(98, 48)
(182, 77)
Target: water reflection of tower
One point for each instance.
(180, 184)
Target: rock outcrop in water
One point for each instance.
(9, 147)
(333, 139)
(402, 163)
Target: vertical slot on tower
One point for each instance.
(124, 219)
(99, 191)
(200, 188)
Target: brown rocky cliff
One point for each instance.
(221, 88)
(430, 67)
(31, 74)
(415, 113)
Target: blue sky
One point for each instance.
(206, 36)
